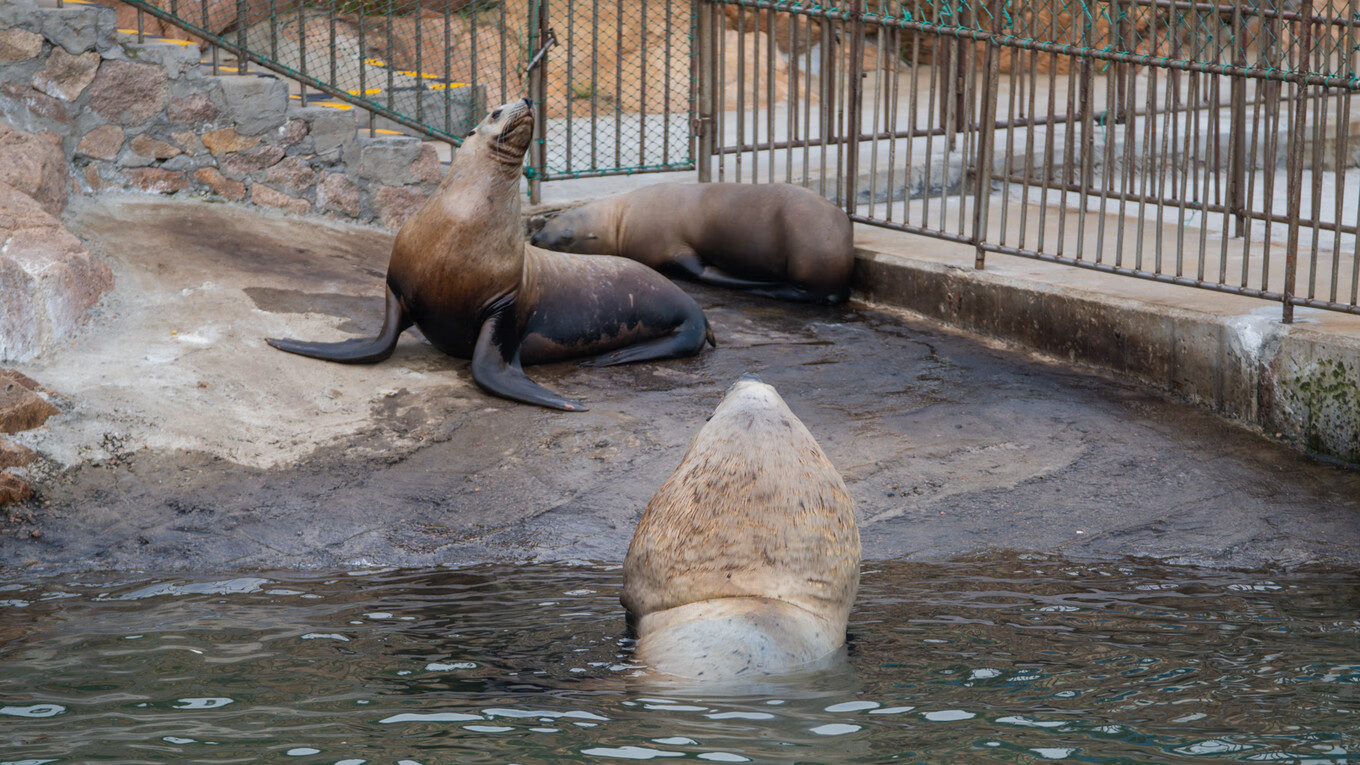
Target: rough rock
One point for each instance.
(21, 409)
(158, 180)
(35, 165)
(394, 204)
(292, 175)
(103, 142)
(264, 196)
(292, 132)
(426, 168)
(79, 28)
(48, 280)
(242, 163)
(19, 45)
(14, 455)
(13, 489)
(66, 76)
(193, 109)
(256, 104)
(39, 105)
(338, 193)
(389, 160)
(190, 141)
(220, 184)
(147, 146)
(227, 140)
(129, 93)
(330, 129)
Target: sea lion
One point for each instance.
(774, 240)
(746, 560)
(462, 273)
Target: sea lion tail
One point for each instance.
(359, 350)
(708, 333)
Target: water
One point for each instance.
(1016, 660)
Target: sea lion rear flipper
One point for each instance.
(495, 362)
(358, 350)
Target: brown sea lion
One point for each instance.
(774, 240)
(746, 561)
(462, 273)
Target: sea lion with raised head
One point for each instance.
(462, 273)
(746, 561)
(775, 240)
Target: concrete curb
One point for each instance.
(1290, 381)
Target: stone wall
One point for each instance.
(143, 117)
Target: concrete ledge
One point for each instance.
(1300, 382)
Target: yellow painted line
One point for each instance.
(447, 85)
(152, 38)
(367, 92)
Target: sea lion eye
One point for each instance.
(471, 133)
(496, 114)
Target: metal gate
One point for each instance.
(1180, 141)
(611, 76)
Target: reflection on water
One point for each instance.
(1017, 660)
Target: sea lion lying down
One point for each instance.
(770, 239)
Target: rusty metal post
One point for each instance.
(854, 99)
(1294, 188)
(986, 135)
(703, 126)
(538, 91)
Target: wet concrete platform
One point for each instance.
(186, 443)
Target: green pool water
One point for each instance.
(1019, 659)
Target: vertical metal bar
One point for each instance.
(827, 82)
(273, 29)
(1295, 184)
(807, 106)
(720, 92)
(618, 86)
(302, 48)
(1237, 125)
(791, 119)
(666, 91)
(391, 63)
(855, 105)
(912, 116)
(420, 69)
(594, 84)
(704, 159)
(769, 92)
(755, 96)
(1014, 84)
(1343, 112)
(982, 192)
(140, 22)
(1088, 143)
(874, 127)
(538, 89)
(894, 87)
(331, 19)
(642, 83)
(448, 65)
(741, 90)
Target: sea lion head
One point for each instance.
(587, 230)
(503, 135)
(747, 557)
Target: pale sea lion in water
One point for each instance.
(746, 561)
(775, 240)
(462, 273)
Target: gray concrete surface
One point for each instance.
(186, 443)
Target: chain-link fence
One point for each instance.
(1181, 141)
(612, 78)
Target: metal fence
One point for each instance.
(612, 77)
(1174, 140)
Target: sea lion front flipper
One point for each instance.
(358, 350)
(495, 362)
